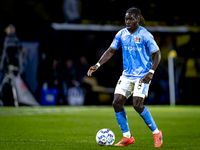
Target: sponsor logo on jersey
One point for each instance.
(131, 48)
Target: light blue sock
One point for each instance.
(148, 119)
(122, 121)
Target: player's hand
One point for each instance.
(147, 78)
(92, 69)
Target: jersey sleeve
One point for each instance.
(151, 43)
(116, 41)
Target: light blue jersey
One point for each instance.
(136, 49)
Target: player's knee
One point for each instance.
(117, 104)
(139, 108)
(138, 105)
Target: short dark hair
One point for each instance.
(137, 12)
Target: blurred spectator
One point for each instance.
(82, 68)
(52, 79)
(53, 75)
(68, 79)
(11, 49)
(68, 74)
(71, 11)
(11, 65)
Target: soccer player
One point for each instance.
(138, 45)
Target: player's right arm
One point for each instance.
(104, 58)
(107, 54)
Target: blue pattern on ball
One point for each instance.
(105, 137)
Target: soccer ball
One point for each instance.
(105, 137)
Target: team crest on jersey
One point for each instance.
(137, 40)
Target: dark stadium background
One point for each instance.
(33, 21)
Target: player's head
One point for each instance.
(133, 18)
(10, 29)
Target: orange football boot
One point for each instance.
(158, 141)
(126, 141)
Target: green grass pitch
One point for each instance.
(68, 128)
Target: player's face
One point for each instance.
(131, 21)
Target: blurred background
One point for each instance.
(46, 48)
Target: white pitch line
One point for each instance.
(25, 140)
(45, 111)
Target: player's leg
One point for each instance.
(120, 113)
(140, 92)
(118, 102)
(144, 113)
(148, 119)
(122, 92)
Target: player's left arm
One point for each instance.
(156, 60)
